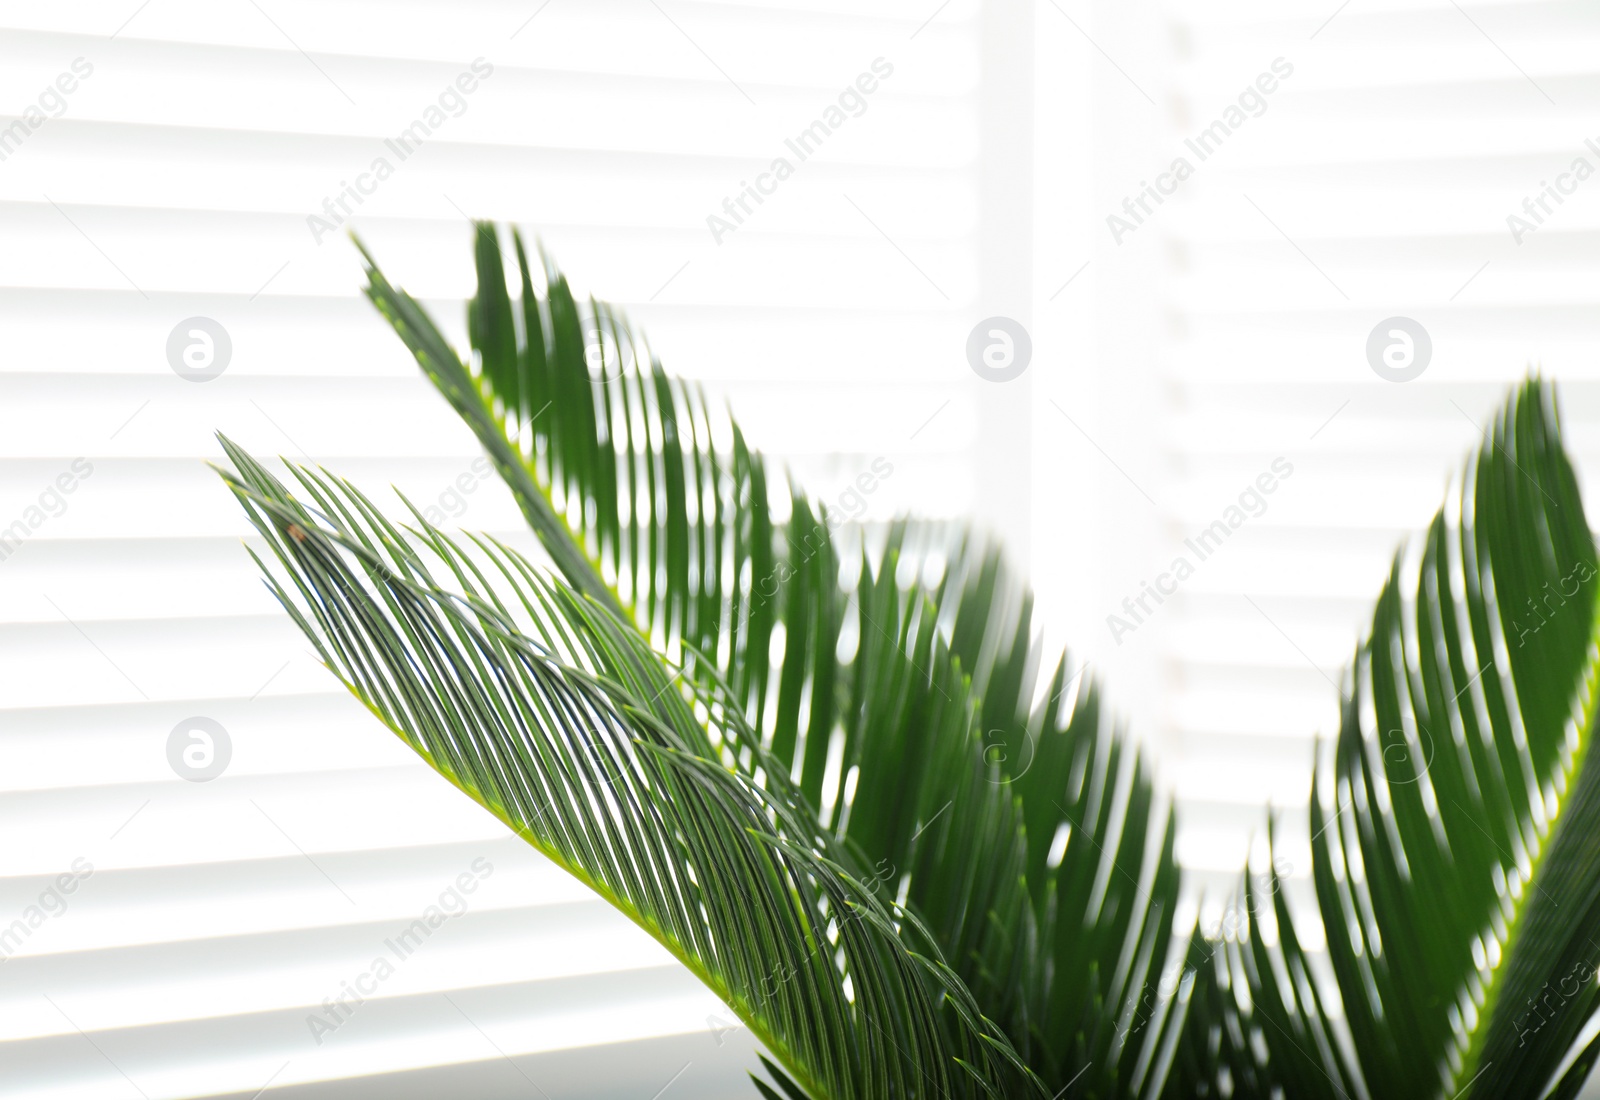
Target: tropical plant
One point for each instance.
(826, 772)
(1454, 846)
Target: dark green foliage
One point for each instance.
(845, 761)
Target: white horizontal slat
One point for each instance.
(155, 252)
(163, 417)
(761, 48)
(266, 972)
(294, 337)
(177, 182)
(271, 87)
(598, 1041)
(1377, 182)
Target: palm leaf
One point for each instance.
(1454, 852)
(887, 744)
(553, 714)
(924, 751)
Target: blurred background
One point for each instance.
(1192, 329)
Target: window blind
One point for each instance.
(227, 878)
(1376, 180)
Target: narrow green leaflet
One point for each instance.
(553, 714)
(774, 745)
(1454, 855)
(1021, 831)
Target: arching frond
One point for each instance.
(555, 716)
(1453, 851)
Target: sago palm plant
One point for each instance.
(839, 781)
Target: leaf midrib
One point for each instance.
(780, 1050)
(1587, 698)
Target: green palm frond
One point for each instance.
(747, 730)
(1454, 848)
(923, 750)
(555, 716)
